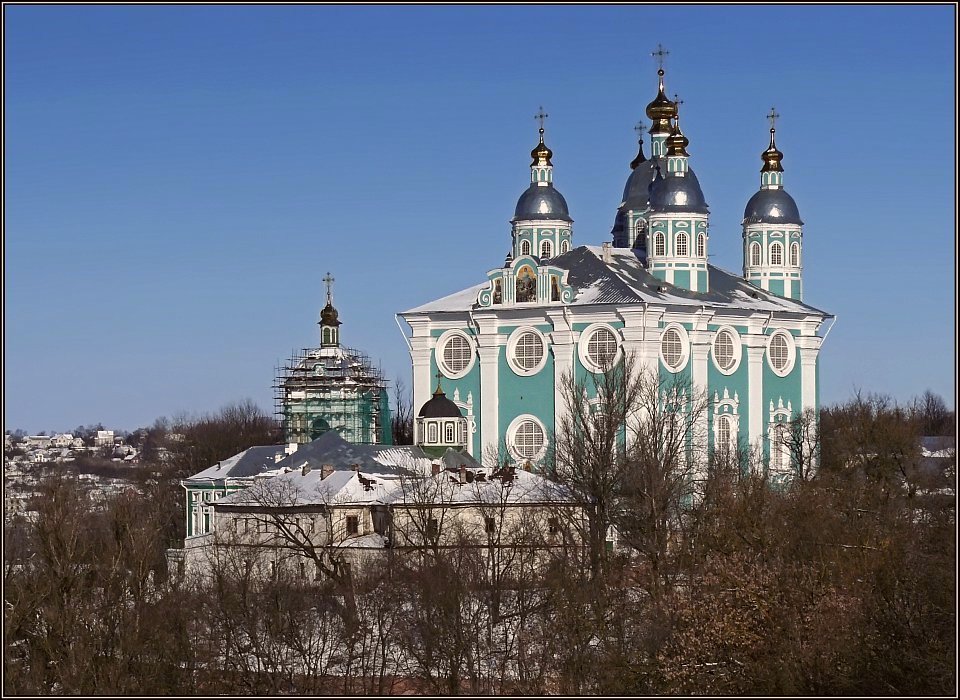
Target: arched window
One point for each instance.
(528, 439)
(779, 450)
(795, 255)
(659, 246)
(701, 246)
(546, 250)
(564, 246)
(754, 253)
(723, 433)
(448, 431)
(432, 433)
(681, 244)
(525, 248)
(497, 292)
(776, 254)
(554, 289)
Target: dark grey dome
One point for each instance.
(678, 194)
(440, 407)
(637, 190)
(771, 207)
(539, 202)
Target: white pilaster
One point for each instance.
(489, 352)
(809, 348)
(699, 352)
(756, 346)
(562, 344)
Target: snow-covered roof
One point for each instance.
(626, 280)
(250, 462)
(296, 489)
(482, 486)
(331, 448)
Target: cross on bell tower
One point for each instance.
(328, 280)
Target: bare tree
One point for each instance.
(402, 421)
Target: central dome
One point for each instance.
(678, 194)
(538, 202)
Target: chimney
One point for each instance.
(326, 470)
(463, 474)
(606, 252)
(305, 469)
(435, 468)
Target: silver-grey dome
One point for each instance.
(771, 207)
(539, 202)
(678, 194)
(637, 190)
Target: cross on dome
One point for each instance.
(659, 55)
(773, 116)
(329, 280)
(541, 116)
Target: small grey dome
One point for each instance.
(678, 194)
(440, 407)
(636, 192)
(538, 203)
(771, 207)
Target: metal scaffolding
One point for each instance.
(320, 389)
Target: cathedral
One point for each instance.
(502, 347)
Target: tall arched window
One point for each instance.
(795, 255)
(754, 253)
(546, 250)
(525, 248)
(681, 244)
(659, 247)
(776, 254)
(564, 246)
(723, 433)
(701, 246)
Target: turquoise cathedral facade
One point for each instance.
(747, 340)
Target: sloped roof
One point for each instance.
(250, 462)
(331, 448)
(625, 280)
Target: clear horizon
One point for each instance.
(178, 179)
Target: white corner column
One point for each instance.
(489, 353)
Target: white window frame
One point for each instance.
(524, 247)
(683, 249)
(546, 250)
(737, 349)
(684, 344)
(791, 352)
(433, 433)
(512, 343)
(582, 346)
(756, 254)
(449, 433)
(511, 434)
(776, 249)
(701, 245)
(441, 347)
(564, 247)
(659, 243)
(795, 254)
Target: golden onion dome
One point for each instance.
(676, 142)
(541, 154)
(661, 110)
(772, 157)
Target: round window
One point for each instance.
(671, 347)
(455, 354)
(528, 439)
(780, 353)
(526, 351)
(723, 350)
(602, 347)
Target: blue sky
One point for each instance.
(178, 179)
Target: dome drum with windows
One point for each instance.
(440, 423)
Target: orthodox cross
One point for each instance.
(677, 101)
(773, 116)
(328, 280)
(640, 128)
(541, 116)
(659, 55)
